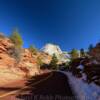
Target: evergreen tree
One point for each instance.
(16, 39)
(53, 63)
(74, 54)
(82, 52)
(90, 47)
(39, 61)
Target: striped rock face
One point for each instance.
(9, 68)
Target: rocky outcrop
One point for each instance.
(10, 68)
(6, 47)
(44, 57)
(28, 63)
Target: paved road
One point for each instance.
(55, 87)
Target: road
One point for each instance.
(48, 86)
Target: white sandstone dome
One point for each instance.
(51, 49)
(55, 49)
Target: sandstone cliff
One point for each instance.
(11, 69)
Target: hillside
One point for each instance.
(13, 68)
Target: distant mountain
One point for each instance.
(51, 49)
(55, 49)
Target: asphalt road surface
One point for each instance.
(48, 86)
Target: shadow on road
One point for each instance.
(54, 88)
(8, 89)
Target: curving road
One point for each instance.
(49, 86)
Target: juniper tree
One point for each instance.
(53, 63)
(90, 48)
(82, 52)
(74, 54)
(32, 49)
(16, 38)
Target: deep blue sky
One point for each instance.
(68, 23)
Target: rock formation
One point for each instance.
(55, 49)
(11, 69)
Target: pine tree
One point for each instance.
(90, 47)
(39, 61)
(82, 52)
(74, 54)
(16, 39)
(53, 63)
